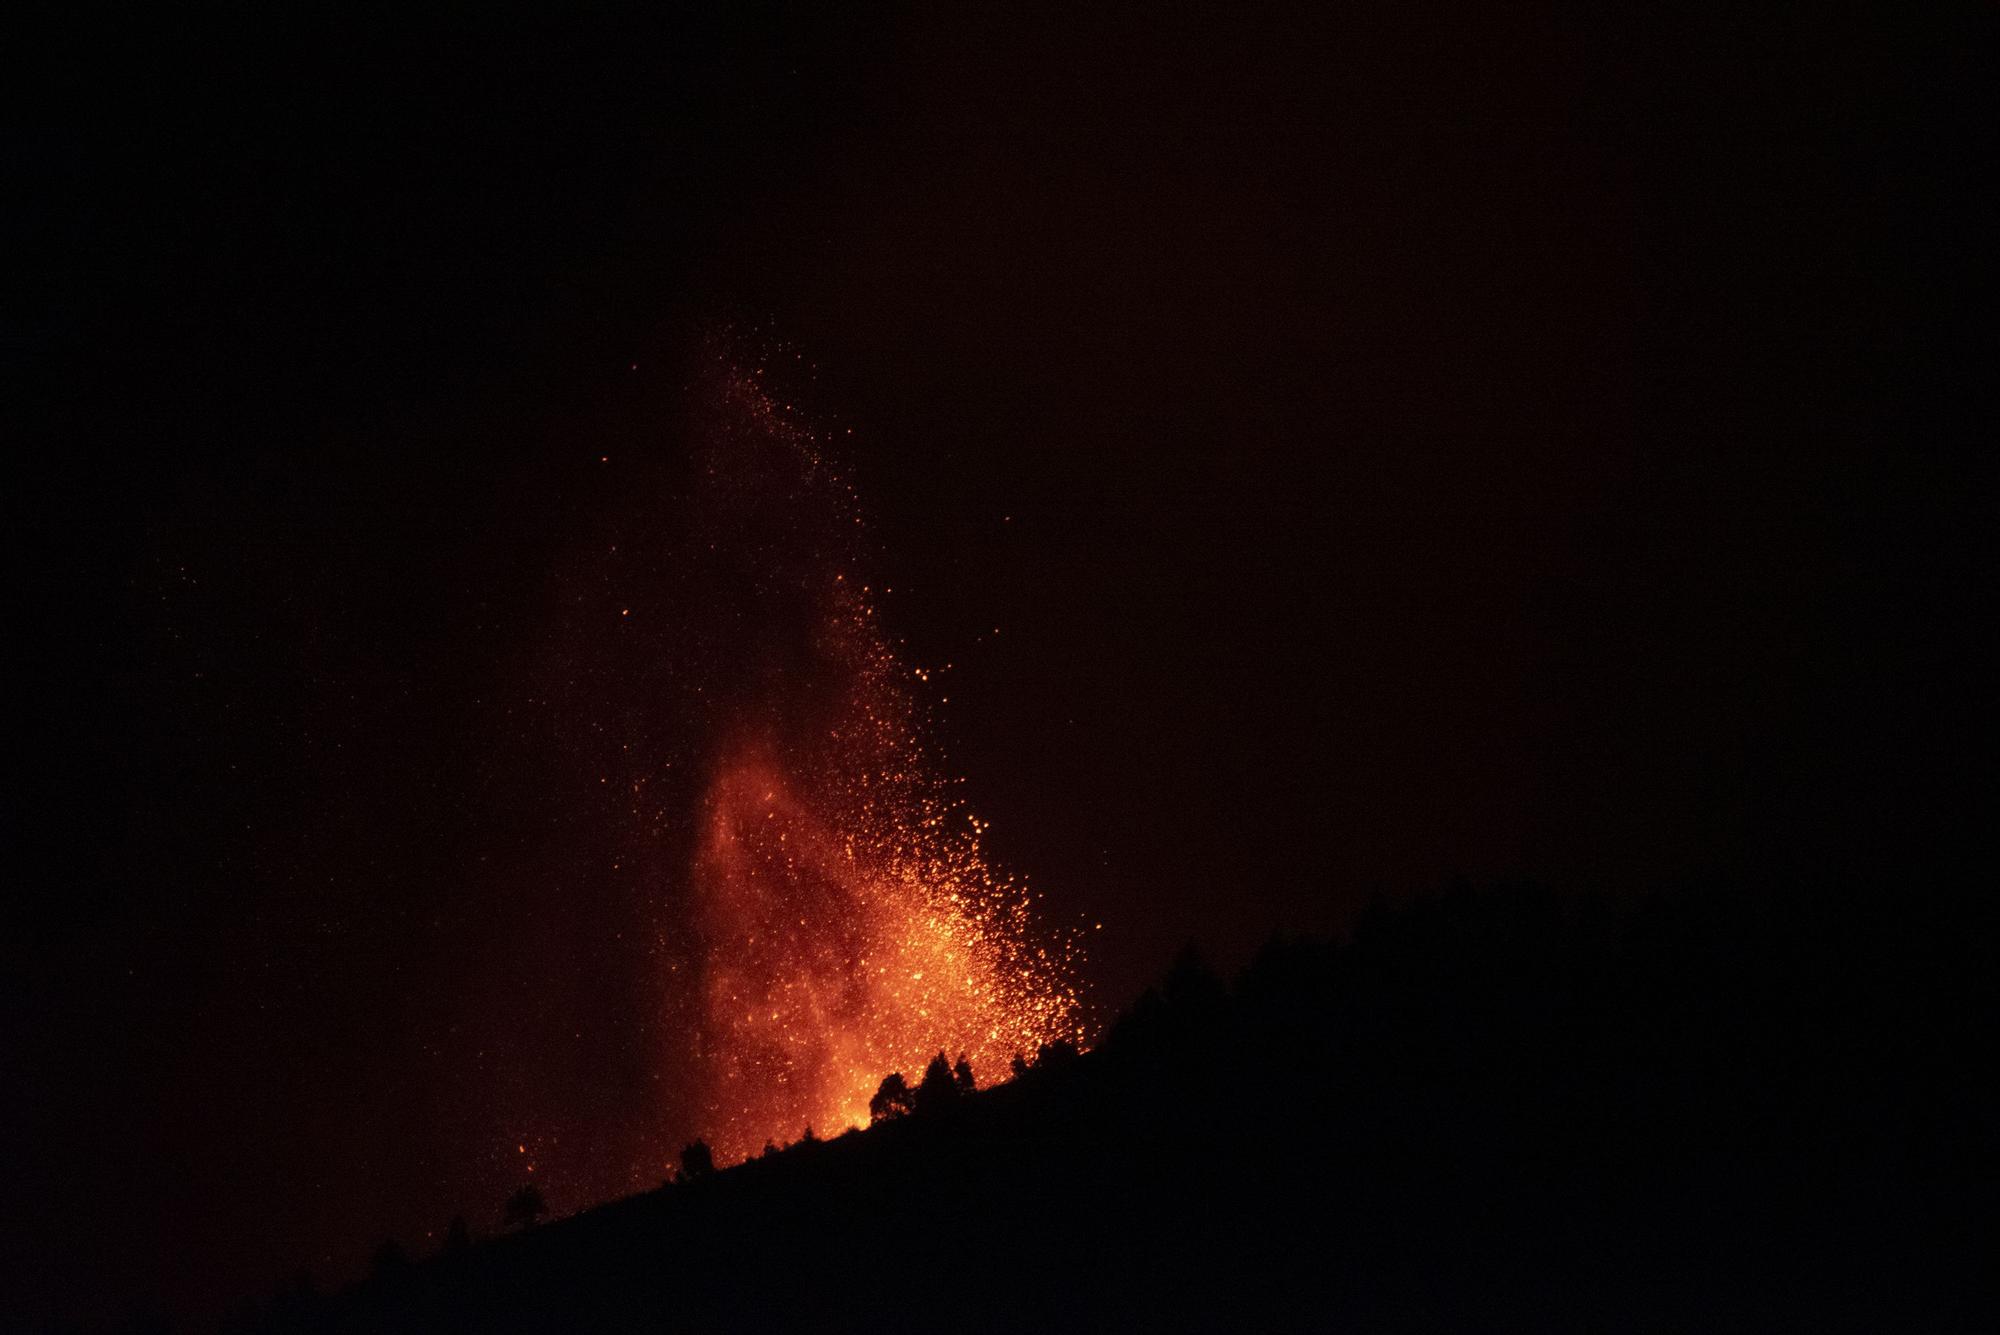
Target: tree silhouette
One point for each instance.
(1191, 987)
(390, 1259)
(938, 1091)
(891, 1100)
(524, 1208)
(1056, 1055)
(457, 1237)
(289, 1308)
(961, 1074)
(697, 1161)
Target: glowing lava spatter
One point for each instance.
(852, 926)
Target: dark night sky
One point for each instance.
(1392, 443)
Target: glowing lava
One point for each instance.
(851, 925)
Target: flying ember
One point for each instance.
(850, 923)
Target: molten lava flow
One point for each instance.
(851, 925)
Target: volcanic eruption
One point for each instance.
(849, 924)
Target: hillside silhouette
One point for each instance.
(1485, 1110)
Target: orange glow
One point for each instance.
(852, 924)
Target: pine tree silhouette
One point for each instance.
(525, 1208)
(891, 1100)
(938, 1092)
(697, 1162)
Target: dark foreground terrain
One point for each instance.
(1488, 1111)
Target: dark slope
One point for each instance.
(1498, 1111)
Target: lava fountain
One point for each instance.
(850, 924)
